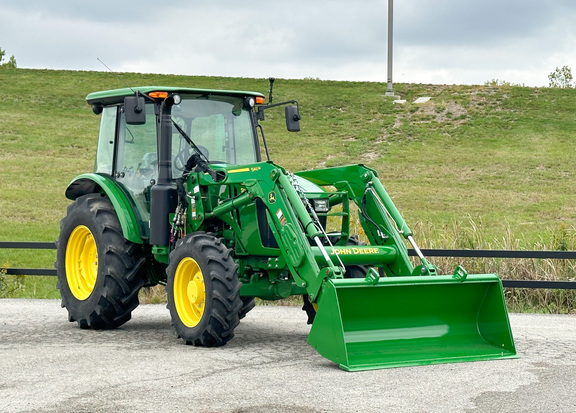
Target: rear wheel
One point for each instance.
(98, 270)
(203, 291)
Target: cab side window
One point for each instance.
(106, 138)
(137, 159)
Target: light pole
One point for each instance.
(389, 90)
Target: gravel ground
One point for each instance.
(48, 364)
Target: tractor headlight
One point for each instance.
(321, 205)
(249, 102)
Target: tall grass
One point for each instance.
(470, 234)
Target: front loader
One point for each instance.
(180, 197)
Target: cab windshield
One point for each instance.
(220, 127)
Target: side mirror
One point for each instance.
(135, 110)
(292, 118)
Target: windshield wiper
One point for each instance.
(198, 161)
(190, 141)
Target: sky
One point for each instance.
(435, 41)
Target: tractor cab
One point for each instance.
(148, 134)
(221, 125)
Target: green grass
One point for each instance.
(499, 156)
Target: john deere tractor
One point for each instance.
(180, 196)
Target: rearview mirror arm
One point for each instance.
(262, 108)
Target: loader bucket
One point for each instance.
(407, 321)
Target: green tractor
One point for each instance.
(180, 197)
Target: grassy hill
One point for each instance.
(474, 167)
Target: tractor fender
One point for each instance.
(94, 183)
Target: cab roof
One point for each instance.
(115, 96)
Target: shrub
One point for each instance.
(561, 78)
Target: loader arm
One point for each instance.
(378, 215)
(287, 216)
(304, 247)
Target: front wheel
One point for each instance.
(203, 290)
(98, 270)
(352, 271)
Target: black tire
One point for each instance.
(203, 290)
(248, 303)
(98, 270)
(356, 271)
(352, 271)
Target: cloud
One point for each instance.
(473, 42)
(439, 41)
(452, 22)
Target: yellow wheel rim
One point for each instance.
(81, 262)
(189, 292)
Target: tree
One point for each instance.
(10, 64)
(561, 78)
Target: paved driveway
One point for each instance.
(50, 365)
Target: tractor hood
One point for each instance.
(307, 186)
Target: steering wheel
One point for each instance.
(181, 159)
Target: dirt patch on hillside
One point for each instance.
(439, 112)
